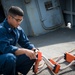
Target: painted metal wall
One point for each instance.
(41, 16)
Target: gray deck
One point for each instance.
(54, 44)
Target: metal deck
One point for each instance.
(55, 44)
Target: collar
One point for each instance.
(7, 26)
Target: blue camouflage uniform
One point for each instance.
(9, 62)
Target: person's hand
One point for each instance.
(31, 54)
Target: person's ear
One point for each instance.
(8, 16)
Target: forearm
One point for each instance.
(20, 51)
(30, 53)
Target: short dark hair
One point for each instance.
(15, 10)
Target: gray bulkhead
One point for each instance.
(41, 16)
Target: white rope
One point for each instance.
(58, 59)
(48, 62)
(73, 62)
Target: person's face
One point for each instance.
(15, 21)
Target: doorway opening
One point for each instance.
(2, 15)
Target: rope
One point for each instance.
(47, 62)
(59, 57)
(73, 62)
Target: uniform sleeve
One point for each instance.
(5, 46)
(24, 41)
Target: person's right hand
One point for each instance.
(31, 54)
